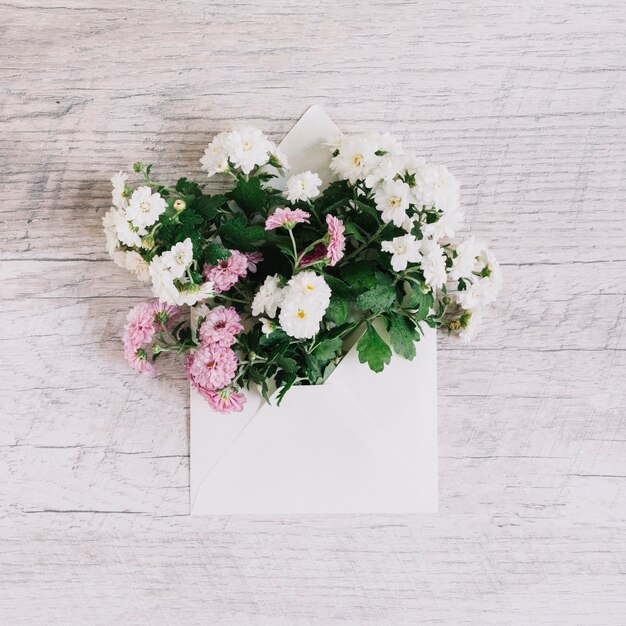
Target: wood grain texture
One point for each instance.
(526, 104)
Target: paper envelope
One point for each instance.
(361, 443)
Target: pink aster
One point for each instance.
(139, 360)
(165, 313)
(211, 367)
(225, 400)
(254, 258)
(220, 326)
(336, 239)
(287, 218)
(227, 272)
(140, 327)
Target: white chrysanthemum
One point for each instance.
(267, 326)
(465, 262)
(190, 293)
(280, 158)
(249, 148)
(162, 281)
(145, 207)
(268, 297)
(392, 200)
(304, 186)
(435, 186)
(179, 258)
(119, 184)
(433, 263)
(385, 142)
(311, 286)
(215, 157)
(446, 225)
(404, 250)
(484, 284)
(137, 265)
(468, 333)
(356, 158)
(110, 231)
(127, 233)
(385, 171)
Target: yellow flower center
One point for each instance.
(247, 145)
(145, 206)
(310, 288)
(180, 258)
(301, 314)
(395, 202)
(357, 159)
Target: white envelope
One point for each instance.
(361, 443)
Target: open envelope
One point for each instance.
(361, 443)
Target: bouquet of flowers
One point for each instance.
(282, 272)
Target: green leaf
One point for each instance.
(288, 365)
(328, 348)
(339, 288)
(215, 252)
(285, 388)
(373, 350)
(352, 230)
(249, 195)
(378, 299)
(314, 367)
(208, 206)
(237, 234)
(360, 274)
(188, 187)
(402, 336)
(338, 309)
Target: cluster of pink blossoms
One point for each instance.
(226, 273)
(142, 324)
(212, 366)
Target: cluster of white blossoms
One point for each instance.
(127, 222)
(244, 148)
(302, 302)
(171, 282)
(304, 186)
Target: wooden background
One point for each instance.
(525, 101)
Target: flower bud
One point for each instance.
(180, 205)
(447, 300)
(147, 242)
(138, 166)
(454, 325)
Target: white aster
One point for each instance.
(385, 142)
(404, 250)
(137, 265)
(119, 184)
(311, 286)
(162, 281)
(267, 326)
(433, 263)
(356, 158)
(145, 207)
(304, 186)
(249, 148)
(215, 158)
(179, 258)
(268, 297)
(127, 233)
(435, 186)
(446, 225)
(392, 200)
(191, 293)
(468, 333)
(466, 260)
(386, 170)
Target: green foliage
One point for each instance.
(236, 233)
(208, 206)
(402, 335)
(373, 350)
(359, 274)
(378, 299)
(338, 309)
(249, 195)
(214, 253)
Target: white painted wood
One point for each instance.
(525, 102)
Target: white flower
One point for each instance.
(468, 333)
(311, 286)
(268, 297)
(483, 285)
(137, 265)
(386, 143)
(356, 158)
(404, 250)
(145, 207)
(386, 170)
(110, 231)
(178, 259)
(279, 157)
(267, 326)
(162, 281)
(306, 298)
(249, 148)
(392, 199)
(215, 158)
(465, 262)
(127, 234)
(435, 186)
(190, 293)
(433, 263)
(119, 183)
(446, 225)
(304, 186)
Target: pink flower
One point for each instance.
(139, 360)
(336, 239)
(211, 367)
(287, 218)
(140, 327)
(254, 258)
(220, 326)
(227, 272)
(225, 400)
(319, 253)
(165, 313)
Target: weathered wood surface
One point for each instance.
(525, 102)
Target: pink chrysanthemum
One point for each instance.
(211, 367)
(336, 239)
(220, 326)
(254, 258)
(139, 360)
(225, 400)
(165, 313)
(140, 327)
(227, 272)
(319, 253)
(287, 218)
